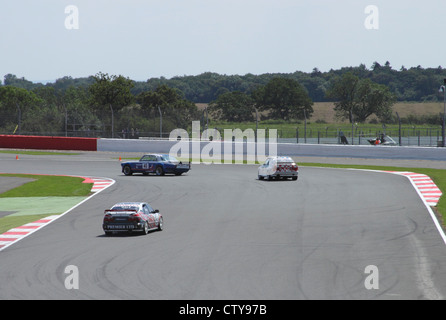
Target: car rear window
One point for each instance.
(167, 157)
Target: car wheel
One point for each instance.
(270, 178)
(160, 224)
(294, 178)
(146, 228)
(159, 171)
(127, 171)
(260, 177)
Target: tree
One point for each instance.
(284, 99)
(360, 98)
(112, 92)
(176, 111)
(14, 99)
(233, 106)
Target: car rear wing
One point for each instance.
(121, 212)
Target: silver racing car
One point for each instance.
(132, 217)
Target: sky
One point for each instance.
(44, 40)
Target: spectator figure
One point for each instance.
(343, 138)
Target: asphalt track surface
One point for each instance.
(230, 236)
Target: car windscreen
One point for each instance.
(167, 157)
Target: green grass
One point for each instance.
(437, 175)
(38, 153)
(9, 222)
(45, 185)
(42, 186)
(288, 129)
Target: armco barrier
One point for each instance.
(48, 143)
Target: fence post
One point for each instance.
(399, 129)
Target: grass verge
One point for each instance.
(48, 186)
(42, 186)
(9, 222)
(39, 153)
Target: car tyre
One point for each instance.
(127, 171)
(146, 228)
(159, 171)
(294, 178)
(260, 177)
(160, 224)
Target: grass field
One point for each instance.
(324, 111)
(38, 153)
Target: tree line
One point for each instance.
(112, 103)
(407, 84)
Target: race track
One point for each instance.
(229, 236)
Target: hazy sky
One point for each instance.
(48, 39)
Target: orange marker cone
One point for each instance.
(17, 157)
(119, 158)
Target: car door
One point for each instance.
(143, 164)
(149, 163)
(262, 169)
(151, 217)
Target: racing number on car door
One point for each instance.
(148, 166)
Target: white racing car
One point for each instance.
(278, 167)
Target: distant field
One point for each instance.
(324, 123)
(323, 111)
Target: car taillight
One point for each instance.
(108, 218)
(133, 218)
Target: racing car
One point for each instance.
(382, 139)
(158, 164)
(278, 167)
(132, 217)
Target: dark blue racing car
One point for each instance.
(158, 164)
